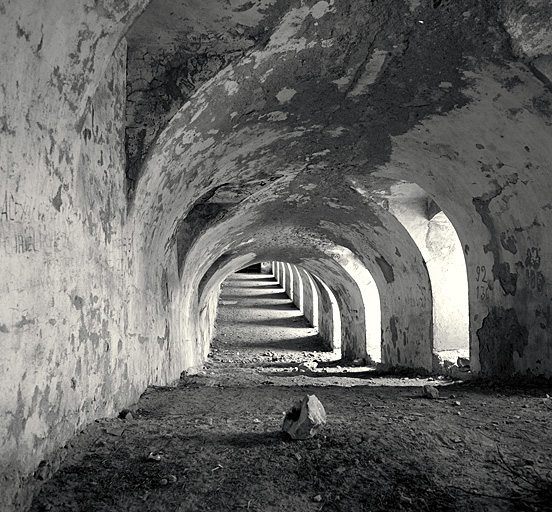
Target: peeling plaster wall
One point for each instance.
(496, 194)
(67, 359)
(66, 356)
(73, 349)
(174, 48)
(100, 300)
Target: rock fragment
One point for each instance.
(305, 418)
(307, 366)
(125, 414)
(430, 391)
(463, 362)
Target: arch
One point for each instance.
(348, 295)
(298, 289)
(443, 256)
(370, 297)
(218, 272)
(310, 303)
(329, 314)
(464, 159)
(344, 289)
(449, 282)
(406, 333)
(288, 280)
(326, 304)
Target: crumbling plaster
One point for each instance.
(405, 289)
(474, 95)
(496, 195)
(454, 97)
(64, 327)
(443, 255)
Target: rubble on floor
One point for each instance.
(305, 418)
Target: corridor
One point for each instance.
(213, 441)
(256, 319)
(391, 158)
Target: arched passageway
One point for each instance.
(443, 257)
(214, 441)
(159, 143)
(258, 323)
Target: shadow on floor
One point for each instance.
(274, 296)
(287, 306)
(309, 373)
(303, 344)
(290, 322)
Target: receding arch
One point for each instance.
(370, 296)
(329, 314)
(344, 288)
(298, 295)
(218, 272)
(288, 280)
(443, 256)
(311, 298)
(325, 311)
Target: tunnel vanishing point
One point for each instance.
(395, 154)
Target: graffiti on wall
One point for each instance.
(17, 236)
(483, 290)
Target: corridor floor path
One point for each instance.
(213, 441)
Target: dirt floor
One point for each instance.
(214, 441)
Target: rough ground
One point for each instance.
(213, 442)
